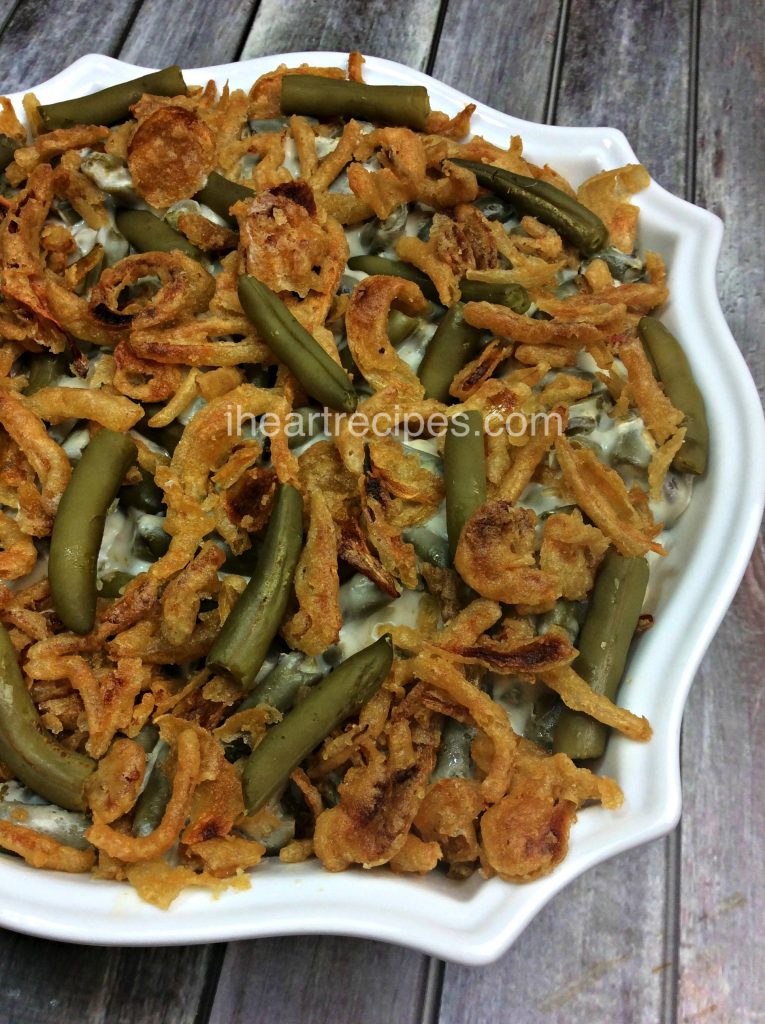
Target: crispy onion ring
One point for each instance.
(185, 288)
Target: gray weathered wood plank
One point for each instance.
(210, 34)
(53, 983)
(722, 906)
(626, 65)
(596, 953)
(321, 981)
(42, 38)
(401, 32)
(503, 59)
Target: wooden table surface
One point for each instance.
(671, 932)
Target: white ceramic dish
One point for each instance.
(475, 921)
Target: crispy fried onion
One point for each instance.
(107, 694)
(226, 855)
(322, 469)
(366, 324)
(585, 327)
(57, 404)
(126, 296)
(608, 193)
(658, 413)
(132, 849)
(215, 429)
(147, 381)
(289, 243)
(525, 835)
(43, 851)
(380, 512)
(170, 156)
(217, 800)
(378, 801)
(495, 556)
(448, 816)
(578, 695)
(183, 595)
(316, 624)
(159, 883)
(571, 553)
(440, 674)
(402, 169)
(453, 248)
(114, 786)
(17, 551)
(48, 460)
(212, 339)
(21, 267)
(527, 459)
(50, 145)
(601, 494)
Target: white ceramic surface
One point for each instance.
(475, 921)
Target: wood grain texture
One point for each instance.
(730, 162)
(321, 981)
(41, 38)
(507, 60)
(626, 65)
(212, 34)
(596, 953)
(722, 892)
(53, 983)
(398, 31)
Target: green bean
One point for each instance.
(114, 585)
(513, 295)
(464, 472)
(242, 644)
(401, 326)
(44, 370)
(339, 696)
(578, 225)
(429, 546)
(280, 688)
(565, 615)
(30, 753)
(151, 539)
(604, 642)
(147, 233)
(151, 804)
(109, 106)
(144, 496)
(320, 375)
(220, 194)
(79, 527)
(675, 374)
(453, 345)
(394, 268)
(406, 105)
(166, 437)
(8, 147)
(454, 753)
